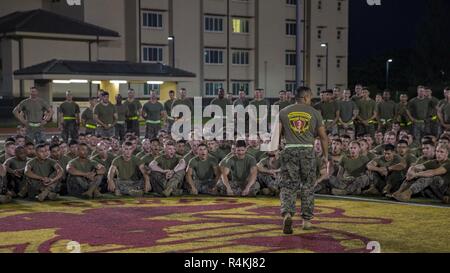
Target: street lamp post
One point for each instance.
(172, 38)
(388, 62)
(326, 59)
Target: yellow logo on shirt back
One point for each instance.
(300, 122)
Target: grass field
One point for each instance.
(210, 224)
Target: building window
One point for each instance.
(339, 34)
(291, 86)
(212, 88)
(319, 62)
(319, 34)
(338, 63)
(238, 86)
(291, 58)
(213, 24)
(240, 57)
(319, 5)
(151, 87)
(339, 6)
(241, 25)
(291, 29)
(152, 54)
(213, 56)
(291, 2)
(152, 20)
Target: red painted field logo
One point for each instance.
(186, 225)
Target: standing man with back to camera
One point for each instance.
(299, 124)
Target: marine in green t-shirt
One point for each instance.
(167, 172)
(44, 175)
(243, 172)
(127, 174)
(86, 175)
(202, 173)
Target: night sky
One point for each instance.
(375, 30)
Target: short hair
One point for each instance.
(241, 143)
(337, 140)
(29, 143)
(127, 143)
(73, 142)
(83, 145)
(53, 146)
(346, 137)
(181, 141)
(202, 145)
(171, 91)
(302, 91)
(445, 137)
(428, 142)
(10, 139)
(104, 93)
(154, 140)
(40, 146)
(19, 136)
(356, 143)
(9, 143)
(81, 135)
(169, 143)
(389, 147)
(402, 141)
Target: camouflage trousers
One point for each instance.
(16, 184)
(35, 133)
(77, 185)
(126, 186)
(152, 130)
(351, 184)
(3, 198)
(437, 184)
(160, 183)
(394, 179)
(205, 186)
(3, 186)
(69, 130)
(237, 187)
(35, 187)
(268, 181)
(298, 174)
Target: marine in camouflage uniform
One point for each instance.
(134, 108)
(34, 113)
(434, 174)
(239, 174)
(167, 172)
(269, 173)
(85, 175)
(152, 112)
(203, 172)
(43, 175)
(299, 124)
(15, 167)
(87, 118)
(4, 197)
(127, 174)
(69, 118)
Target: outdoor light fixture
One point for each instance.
(170, 38)
(119, 82)
(155, 82)
(79, 81)
(390, 61)
(61, 81)
(324, 45)
(96, 82)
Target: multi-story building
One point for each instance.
(234, 44)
